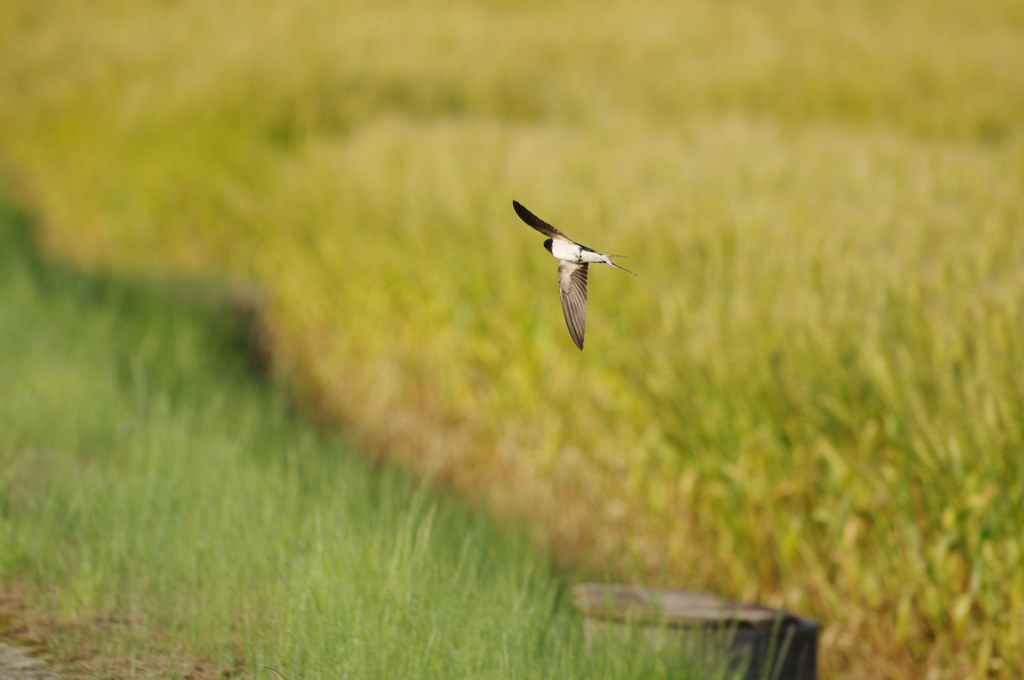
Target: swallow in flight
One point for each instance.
(574, 259)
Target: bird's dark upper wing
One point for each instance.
(536, 222)
(572, 284)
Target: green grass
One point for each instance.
(163, 506)
(810, 397)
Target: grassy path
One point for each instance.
(165, 513)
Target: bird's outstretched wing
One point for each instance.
(572, 284)
(536, 222)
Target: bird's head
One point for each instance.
(547, 244)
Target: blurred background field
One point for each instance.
(813, 396)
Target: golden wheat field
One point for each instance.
(813, 394)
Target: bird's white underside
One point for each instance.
(571, 252)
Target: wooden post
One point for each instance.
(765, 643)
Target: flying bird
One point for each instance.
(574, 260)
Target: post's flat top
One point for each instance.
(671, 607)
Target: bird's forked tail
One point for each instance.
(617, 266)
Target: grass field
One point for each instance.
(165, 513)
(813, 394)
